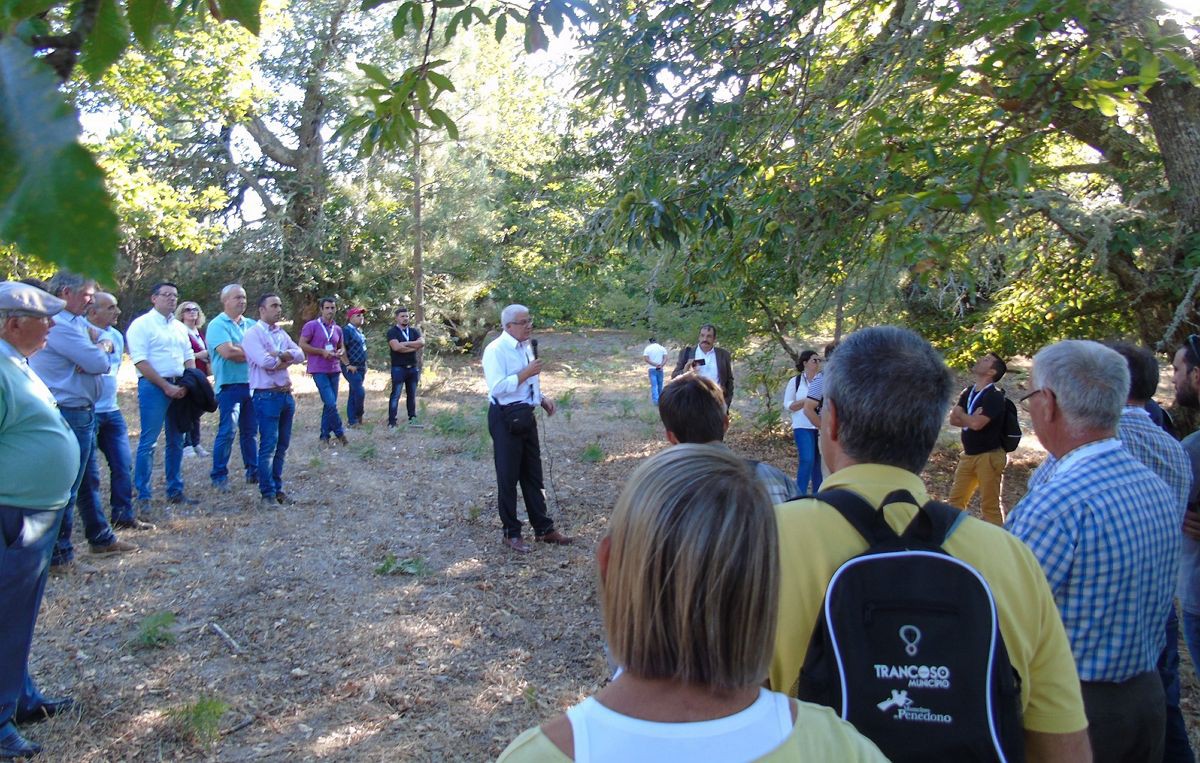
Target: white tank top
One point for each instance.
(603, 735)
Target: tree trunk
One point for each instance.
(418, 267)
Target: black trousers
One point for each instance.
(518, 460)
(1126, 720)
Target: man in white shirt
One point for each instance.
(160, 352)
(512, 370)
(655, 356)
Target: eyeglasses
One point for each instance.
(1024, 400)
(523, 322)
(191, 309)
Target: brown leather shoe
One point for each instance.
(116, 547)
(518, 545)
(554, 536)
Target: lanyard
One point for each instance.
(329, 332)
(973, 397)
(405, 334)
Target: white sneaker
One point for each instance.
(189, 452)
(199, 450)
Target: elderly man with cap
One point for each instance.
(40, 454)
(354, 365)
(73, 365)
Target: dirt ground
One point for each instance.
(379, 618)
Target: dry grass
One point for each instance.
(334, 660)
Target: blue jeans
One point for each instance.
(274, 411)
(26, 542)
(152, 410)
(83, 423)
(656, 382)
(1176, 747)
(327, 387)
(403, 378)
(356, 397)
(112, 439)
(808, 467)
(231, 396)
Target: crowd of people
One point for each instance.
(716, 572)
(62, 355)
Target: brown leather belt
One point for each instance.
(274, 389)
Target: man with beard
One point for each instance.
(1186, 365)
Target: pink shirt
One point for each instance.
(322, 337)
(265, 371)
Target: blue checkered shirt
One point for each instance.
(1161, 452)
(1106, 531)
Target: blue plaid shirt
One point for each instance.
(1106, 531)
(356, 347)
(1161, 452)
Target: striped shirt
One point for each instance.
(1105, 530)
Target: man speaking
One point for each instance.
(511, 368)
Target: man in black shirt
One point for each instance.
(404, 341)
(980, 413)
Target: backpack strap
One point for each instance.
(861, 515)
(933, 523)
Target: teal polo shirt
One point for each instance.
(39, 451)
(220, 330)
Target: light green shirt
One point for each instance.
(38, 450)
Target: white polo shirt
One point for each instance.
(157, 339)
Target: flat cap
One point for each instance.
(15, 295)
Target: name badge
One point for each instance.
(329, 348)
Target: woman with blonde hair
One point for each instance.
(191, 318)
(689, 579)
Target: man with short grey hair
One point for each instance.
(874, 447)
(73, 365)
(1105, 529)
(513, 373)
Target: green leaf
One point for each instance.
(245, 12)
(14, 10)
(108, 40)
(441, 119)
(535, 36)
(1107, 104)
(501, 27)
(440, 81)
(372, 4)
(144, 17)
(53, 204)
(376, 74)
(400, 20)
(418, 16)
(1018, 169)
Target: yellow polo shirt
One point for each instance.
(814, 540)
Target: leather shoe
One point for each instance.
(554, 536)
(47, 708)
(116, 547)
(13, 745)
(518, 545)
(133, 524)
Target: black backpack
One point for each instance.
(1011, 436)
(908, 647)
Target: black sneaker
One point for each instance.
(284, 498)
(182, 500)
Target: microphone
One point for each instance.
(533, 344)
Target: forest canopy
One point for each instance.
(996, 174)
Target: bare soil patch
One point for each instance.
(379, 618)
